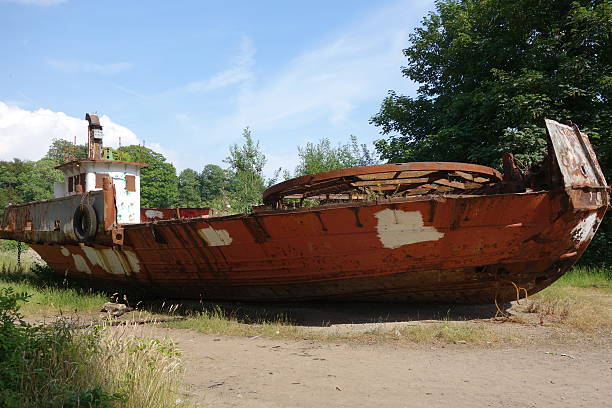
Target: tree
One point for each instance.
(159, 183)
(60, 150)
(36, 182)
(322, 156)
(214, 181)
(189, 189)
(491, 71)
(10, 172)
(247, 181)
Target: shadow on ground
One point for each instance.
(314, 313)
(323, 313)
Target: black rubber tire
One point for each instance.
(85, 222)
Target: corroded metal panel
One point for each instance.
(457, 249)
(156, 214)
(49, 221)
(580, 170)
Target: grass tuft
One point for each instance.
(216, 321)
(450, 332)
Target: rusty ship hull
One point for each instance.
(458, 248)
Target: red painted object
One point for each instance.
(157, 214)
(480, 246)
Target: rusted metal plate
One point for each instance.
(580, 170)
(156, 214)
(458, 249)
(50, 220)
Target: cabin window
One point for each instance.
(83, 180)
(70, 184)
(100, 179)
(130, 183)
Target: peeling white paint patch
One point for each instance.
(154, 214)
(132, 260)
(397, 228)
(92, 255)
(64, 251)
(113, 261)
(585, 229)
(80, 264)
(215, 237)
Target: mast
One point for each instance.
(94, 137)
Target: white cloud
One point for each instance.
(27, 134)
(36, 2)
(239, 71)
(73, 66)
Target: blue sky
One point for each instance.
(188, 76)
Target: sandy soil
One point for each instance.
(549, 366)
(243, 372)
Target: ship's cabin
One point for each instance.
(84, 176)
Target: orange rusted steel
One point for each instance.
(481, 246)
(156, 214)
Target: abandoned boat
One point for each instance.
(416, 232)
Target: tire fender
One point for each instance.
(85, 222)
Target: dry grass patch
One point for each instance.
(580, 308)
(450, 332)
(217, 322)
(581, 299)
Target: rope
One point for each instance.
(518, 289)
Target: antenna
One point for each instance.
(142, 151)
(120, 142)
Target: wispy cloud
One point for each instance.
(74, 66)
(36, 2)
(355, 66)
(327, 89)
(239, 71)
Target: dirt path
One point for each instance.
(243, 372)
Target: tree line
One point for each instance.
(233, 188)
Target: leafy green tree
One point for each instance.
(189, 189)
(159, 183)
(10, 172)
(247, 181)
(491, 71)
(36, 182)
(214, 181)
(61, 149)
(322, 156)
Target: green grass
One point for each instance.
(54, 300)
(218, 322)
(585, 277)
(47, 295)
(8, 262)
